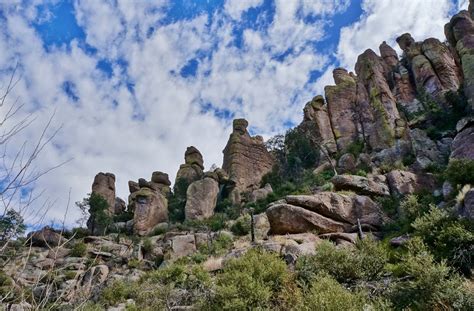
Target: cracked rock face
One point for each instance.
(201, 199)
(193, 166)
(150, 208)
(104, 185)
(325, 212)
(246, 159)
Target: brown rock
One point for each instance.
(160, 178)
(316, 124)
(261, 193)
(193, 156)
(360, 185)
(341, 99)
(104, 185)
(389, 55)
(120, 206)
(425, 149)
(463, 143)
(192, 169)
(150, 208)
(201, 198)
(246, 159)
(347, 163)
(183, 245)
(403, 182)
(467, 207)
(133, 186)
(46, 237)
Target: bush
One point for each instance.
(217, 246)
(256, 281)
(428, 285)
(328, 295)
(242, 225)
(366, 261)
(11, 225)
(460, 172)
(78, 250)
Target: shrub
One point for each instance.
(119, 291)
(328, 295)
(366, 261)
(460, 172)
(147, 246)
(217, 246)
(11, 225)
(356, 148)
(78, 250)
(428, 285)
(133, 263)
(242, 225)
(256, 281)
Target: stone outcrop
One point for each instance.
(467, 206)
(261, 193)
(193, 166)
(316, 125)
(375, 186)
(201, 199)
(463, 143)
(45, 237)
(150, 208)
(104, 185)
(246, 160)
(404, 182)
(325, 212)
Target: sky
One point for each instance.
(131, 84)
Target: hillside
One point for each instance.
(367, 204)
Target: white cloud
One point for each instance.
(235, 8)
(385, 20)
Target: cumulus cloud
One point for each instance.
(385, 20)
(235, 8)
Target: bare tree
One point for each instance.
(18, 169)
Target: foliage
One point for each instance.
(177, 200)
(301, 154)
(365, 262)
(429, 285)
(78, 250)
(11, 225)
(99, 219)
(356, 148)
(255, 281)
(460, 172)
(242, 225)
(219, 245)
(449, 238)
(214, 223)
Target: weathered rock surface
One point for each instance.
(404, 182)
(104, 185)
(45, 237)
(325, 212)
(201, 198)
(361, 185)
(183, 245)
(150, 208)
(193, 167)
(463, 143)
(246, 159)
(467, 206)
(261, 193)
(316, 125)
(425, 149)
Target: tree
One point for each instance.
(97, 209)
(11, 226)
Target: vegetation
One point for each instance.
(99, 220)
(78, 250)
(11, 226)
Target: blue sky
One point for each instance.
(133, 83)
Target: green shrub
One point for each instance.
(147, 246)
(242, 225)
(428, 285)
(356, 148)
(326, 294)
(133, 263)
(460, 172)
(366, 261)
(118, 292)
(78, 250)
(219, 245)
(256, 281)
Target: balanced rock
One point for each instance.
(246, 159)
(325, 212)
(201, 198)
(150, 208)
(193, 167)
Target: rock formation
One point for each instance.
(193, 166)
(325, 212)
(104, 185)
(463, 143)
(246, 160)
(150, 208)
(201, 198)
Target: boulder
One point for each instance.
(325, 212)
(347, 163)
(183, 245)
(160, 178)
(467, 206)
(404, 182)
(150, 208)
(246, 158)
(201, 198)
(261, 193)
(425, 149)
(133, 186)
(46, 237)
(104, 185)
(361, 185)
(119, 206)
(463, 143)
(192, 169)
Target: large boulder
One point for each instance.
(183, 245)
(404, 182)
(261, 193)
(463, 143)
(46, 237)
(325, 212)
(201, 198)
(361, 185)
(246, 158)
(150, 208)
